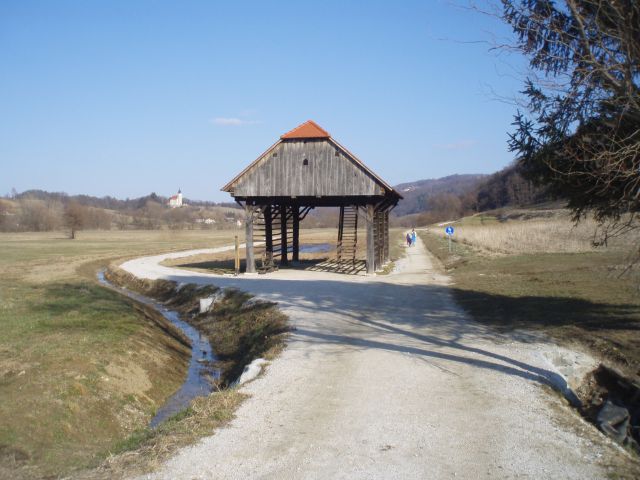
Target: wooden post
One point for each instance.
(340, 231)
(284, 259)
(386, 237)
(237, 256)
(296, 233)
(268, 235)
(369, 217)
(248, 222)
(379, 239)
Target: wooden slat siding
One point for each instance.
(386, 237)
(325, 175)
(284, 258)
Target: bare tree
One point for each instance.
(75, 217)
(152, 212)
(38, 215)
(98, 218)
(581, 133)
(7, 216)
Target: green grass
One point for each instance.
(574, 297)
(68, 347)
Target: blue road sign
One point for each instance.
(449, 231)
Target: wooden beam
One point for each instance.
(268, 234)
(296, 233)
(340, 231)
(284, 258)
(369, 218)
(248, 222)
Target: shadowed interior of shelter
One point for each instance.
(305, 169)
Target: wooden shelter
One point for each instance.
(304, 169)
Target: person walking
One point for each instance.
(413, 236)
(408, 239)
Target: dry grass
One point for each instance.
(514, 275)
(145, 449)
(538, 235)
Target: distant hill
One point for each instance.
(39, 210)
(417, 195)
(111, 203)
(455, 196)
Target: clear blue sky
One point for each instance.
(124, 98)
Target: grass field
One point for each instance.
(80, 369)
(514, 276)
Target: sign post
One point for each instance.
(449, 232)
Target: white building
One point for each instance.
(176, 200)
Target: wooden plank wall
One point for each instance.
(327, 172)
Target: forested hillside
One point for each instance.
(419, 196)
(448, 198)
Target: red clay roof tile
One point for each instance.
(308, 129)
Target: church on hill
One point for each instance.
(175, 201)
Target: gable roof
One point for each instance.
(308, 129)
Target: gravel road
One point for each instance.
(385, 377)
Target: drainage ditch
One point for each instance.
(201, 375)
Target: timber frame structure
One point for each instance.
(304, 169)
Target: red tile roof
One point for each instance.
(308, 129)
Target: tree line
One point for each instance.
(39, 211)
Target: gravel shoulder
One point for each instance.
(385, 377)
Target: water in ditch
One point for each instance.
(200, 373)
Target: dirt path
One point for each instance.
(384, 377)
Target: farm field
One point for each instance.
(80, 368)
(534, 270)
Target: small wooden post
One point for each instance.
(237, 257)
(369, 217)
(248, 222)
(296, 233)
(284, 259)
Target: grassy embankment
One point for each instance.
(223, 262)
(536, 271)
(80, 369)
